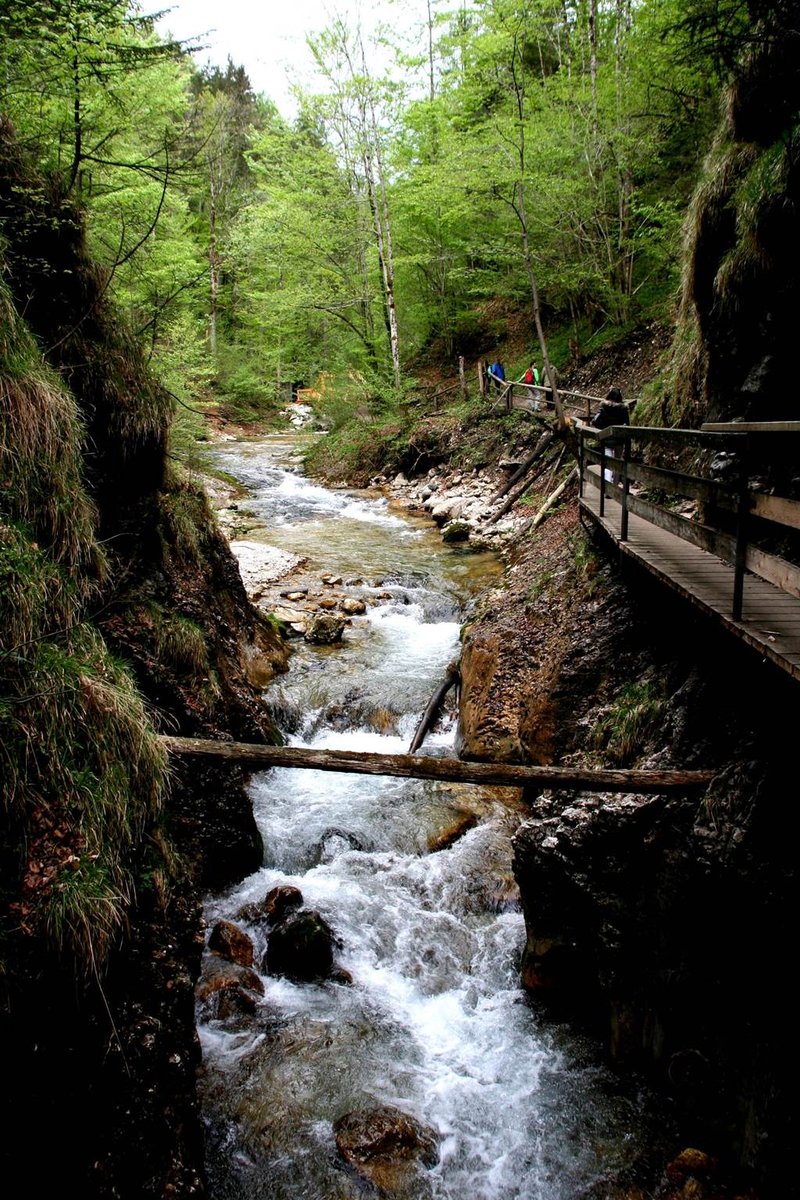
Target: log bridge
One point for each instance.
(448, 770)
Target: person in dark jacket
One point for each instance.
(612, 411)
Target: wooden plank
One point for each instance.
(776, 508)
(768, 615)
(678, 484)
(668, 437)
(445, 769)
(720, 544)
(776, 570)
(751, 426)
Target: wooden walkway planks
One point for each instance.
(770, 620)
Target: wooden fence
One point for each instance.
(515, 394)
(730, 517)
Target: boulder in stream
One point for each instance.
(277, 903)
(456, 531)
(226, 987)
(385, 1145)
(231, 942)
(301, 947)
(324, 629)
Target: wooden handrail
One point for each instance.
(751, 426)
(734, 547)
(655, 434)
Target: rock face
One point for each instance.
(386, 1146)
(641, 915)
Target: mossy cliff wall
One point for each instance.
(123, 614)
(735, 349)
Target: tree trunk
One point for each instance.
(214, 279)
(410, 766)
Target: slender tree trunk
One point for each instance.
(550, 374)
(383, 228)
(625, 175)
(77, 119)
(432, 92)
(518, 77)
(214, 276)
(593, 50)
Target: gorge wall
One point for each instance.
(123, 615)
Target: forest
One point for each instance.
(520, 156)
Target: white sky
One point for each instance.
(267, 37)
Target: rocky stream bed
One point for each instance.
(627, 899)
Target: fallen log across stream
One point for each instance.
(451, 770)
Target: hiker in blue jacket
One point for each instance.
(497, 375)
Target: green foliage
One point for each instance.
(87, 786)
(631, 722)
(186, 517)
(586, 563)
(83, 773)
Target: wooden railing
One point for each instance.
(727, 529)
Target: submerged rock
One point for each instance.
(385, 1145)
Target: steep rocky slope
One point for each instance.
(123, 614)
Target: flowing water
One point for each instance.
(429, 928)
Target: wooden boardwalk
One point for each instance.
(770, 621)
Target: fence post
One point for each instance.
(481, 379)
(461, 377)
(626, 486)
(742, 507)
(602, 509)
(581, 462)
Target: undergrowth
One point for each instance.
(631, 722)
(83, 773)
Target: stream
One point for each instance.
(415, 879)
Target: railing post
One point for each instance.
(626, 487)
(742, 507)
(602, 509)
(481, 380)
(581, 462)
(462, 379)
